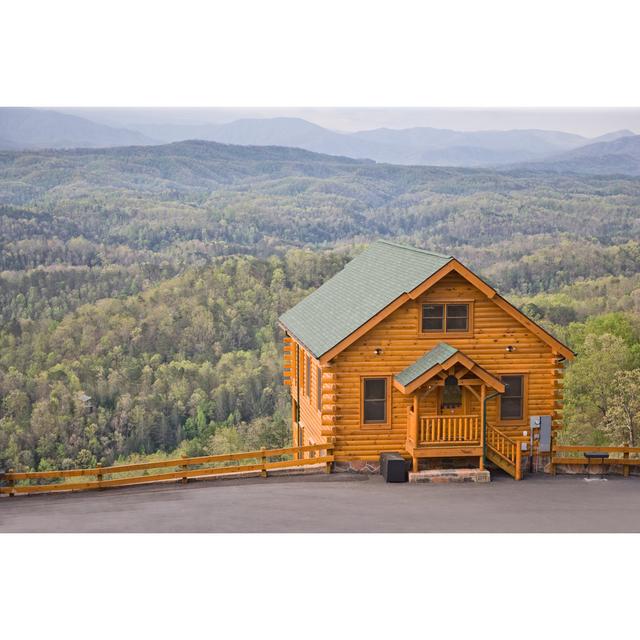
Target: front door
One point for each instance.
(452, 398)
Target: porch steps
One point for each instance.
(442, 476)
(504, 452)
(501, 463)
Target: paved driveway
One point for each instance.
(337, 503)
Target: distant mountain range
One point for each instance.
(22, 128)
(522, 148)
(418, 145)
(612, 156)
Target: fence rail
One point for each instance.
(622, 456)
(8, 481)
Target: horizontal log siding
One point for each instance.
(310, 417)
(402, 343)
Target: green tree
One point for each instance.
(622, 420)
(589, 385)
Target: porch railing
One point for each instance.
(465, 429)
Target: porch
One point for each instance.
(455, 384)
(443, 436)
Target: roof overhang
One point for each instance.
(557, 347)
(457, 358)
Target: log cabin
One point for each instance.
(409, 351)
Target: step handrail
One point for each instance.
(506, 448)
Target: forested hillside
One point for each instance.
(139, 286)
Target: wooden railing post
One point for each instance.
(625, 468)
(183, 468)
(518, 461)
(12, 483)
(329, 465)
(99, 475)
(263, 462)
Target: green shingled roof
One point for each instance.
(368, 284)
(439, 354)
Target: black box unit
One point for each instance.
(393, 467)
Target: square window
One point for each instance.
(457, 317)
(432, 317)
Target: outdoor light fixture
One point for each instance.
(377, 351)
(510, 348)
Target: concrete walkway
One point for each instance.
(337, 503)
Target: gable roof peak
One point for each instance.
(410, 248)
(375, 278)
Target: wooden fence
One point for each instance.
(571, 454)
(258, 461)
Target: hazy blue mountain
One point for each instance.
(36, 128)
(618, 156)
(613, 135)
(25, 128)
(283, 132)
(418, 145)
(524, 140)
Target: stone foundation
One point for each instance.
(594, 469)
(441, 476)
(426, 464)
(540, 461)
(357, 466)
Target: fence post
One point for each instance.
(99, 475)
(12, 483)
(329, 465)
(183, 468)
(263, 462)
(625, 469)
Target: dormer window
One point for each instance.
(445, 317)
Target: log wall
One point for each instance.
(402, 343)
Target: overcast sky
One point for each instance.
(587, 122)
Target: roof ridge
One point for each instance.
(416, 249)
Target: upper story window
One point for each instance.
(319, 388)
(445, 318)
(307, 378)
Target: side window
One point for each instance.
(307, 378)
(374, 401)
(319, 388)
(512, 400)
(297, 365)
